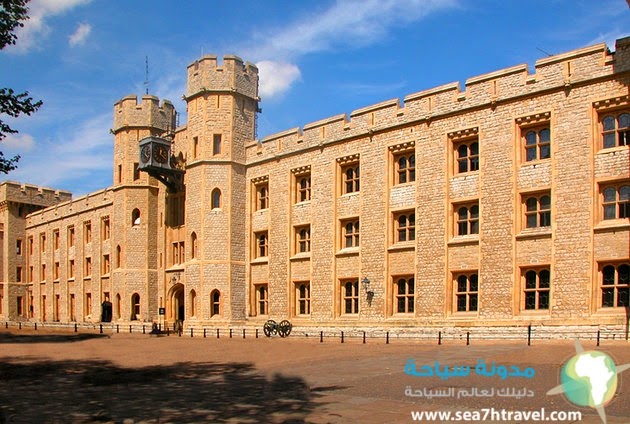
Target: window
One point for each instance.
(350, 178)
(405, 226)
(303, 188)
(30, 246)
(537, 289)
(18, 274)
(193, 245)
(135, 307)
(88, 304)
(193, 303)
(538, 210)
(120, 174)
(466, 292)
(350, 233)
(215, 199)
(262, 196)
(176, 209)
(303, 298)
(262, 244)
(42, 242)
(537, 143)
(18, 247)
(71, 236)
(56, 271)
(405, 167)
(87, 232)
(195, 147)
(42, 273)
(106, 264)
(303, 239)
(71, 268)
(262, 299)
(178, 256)
(216, 144)
(31, 273)
(467, 156)
(136, 172)
(56, 240)
(88, 267)
(73, 308)
(215, 303)
(350, 297)
(616, 285)
(616, 201)
(404, 289)
(118, 256)
(135, 217)
(467, 219)
(106, 228)
(615, 129)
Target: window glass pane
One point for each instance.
(410, 286)
(608, 123)
(530, 280)
(530, 300)
(608, 297)
(532, 204)
(402, 163)
(474, 149)
(462, 283)
(531, 221)
(608, 274)
(545, 135)
(624, 120)
(624, 193)
(530, 153)
(623, 274)
(462, 151)
(412, 161)
(530, 138)
(462, 213)
(473, 302)
(474, 164)
(462, 165)
(545, 202)
(474, 212)
(543, 278)
(609, 212)
(609, 140)
(610, 195)
(545, 219)
(545, 151)
(461, 303)
(622, 296)
(474, 283)
(543, 300)
(401, 305)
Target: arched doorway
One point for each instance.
(178, 310)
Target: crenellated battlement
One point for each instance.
(71, 208)
(207, 75)
(11, 191)
(560, 72)
(148, 113)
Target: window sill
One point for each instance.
(463, 240)
(401, 246)
(70, 280)
(353, 194)
(535, 163)
(538, 232)
(89, 277)
(465, 175)
(301, 256)
(303, 203)
(612, 225)
(105, 275)
(175, 268)
(407, 184)
(263, 260)
(611, 310)
(348, 251)
(535, 313)
(612, 150)
(464, 315)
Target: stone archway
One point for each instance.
(177, 310)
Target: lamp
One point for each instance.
(366, 284)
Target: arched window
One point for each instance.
(215, 202)
(118, 256)
(118, 304)
(193, 245)
(135, 217)
(135, 306)
(215, 303)
(193, 303)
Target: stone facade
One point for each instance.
(497, 206)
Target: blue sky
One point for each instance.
(316, 59)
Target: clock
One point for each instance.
(145, 154)
(160, 153)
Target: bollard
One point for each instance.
(204, 333)
(243, 333)
(387, 338)
(529, 335)
(117, 329)
(364, 337)
(598, 332)
(217, 333)
(6, 325)
(321, 337)
(230, 333)
(35, 326)
(143, 329)
(20, 326)
(160, 327)
(76, 328)
(101, 328)
(129, 328)
(342, 337)
(256, 333)
(439, 337)
(467, 338)
(191, 332)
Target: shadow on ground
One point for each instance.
(47, 338)
(98, 391)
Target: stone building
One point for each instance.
(497, 206)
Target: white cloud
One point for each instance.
(36, 27)
(80, 35)
(276, 77)
(347, 23)
(18, 143)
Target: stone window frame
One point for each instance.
(536, 288)
(302, 296)
(466, 292)
(56, 239)
(534, 213)
(215, 303)
(404, 223)
(471, 221)
(617, 284)
(615, 108)
(302, 182)
(217, 144)
(261, 299)
(404, 163)
(106, 266)
(350, 297)
(302, 236)
(261, 193)
(87, 232)
(215, 199)
(350, 174)
(466, 138)
(261, 244)
(620, 204)
(403, 290)
(350, 233)
(106, 228)
(532, 126)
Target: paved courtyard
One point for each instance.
(48, 377)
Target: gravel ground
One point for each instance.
(48, 377)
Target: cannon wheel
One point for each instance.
(269, 328)
(284, 328)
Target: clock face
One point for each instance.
(160, 153)
(145, 154)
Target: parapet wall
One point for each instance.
(205, 75)
(562, 71)
(149, 113)
(11, 191)
(70, 209)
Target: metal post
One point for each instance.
(321, 337)
(243, 333)
(256, 333)
(130, 330)
(191, 332)
(342, 337)
(204, 333)
(529, 335)
(143, 331)
(467, 338)
(76, 328)
(20, 325)
(230, 333)
(35, 326)
(217, 333)
(117, 328)
(439, 337)
(364, 337)
(101, 328)
(387, 338)
(598, 334)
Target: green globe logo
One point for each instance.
(589, 379)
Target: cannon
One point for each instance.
(283, 328)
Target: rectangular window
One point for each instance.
(106, 228)
(71, 268)
(262, 299)
(136, 172)
(350, 297)
(303, 188)
(195, 147)
(350, 178)
(120, 174)
(537, 210)
(71, 236)
(467, 219)
(56, 240)
(536, 143)
(88, 267)
(216, 144)
(42, 273)
(466, 155)
(73, 308)
(18, 247)
(615, 200)
(262, 196)
(536, 291)
(404, 294)
(404, 226)
(262, 244)
(350, 236)
(615, 285)
(405, 167)
(31, 273)
(18, 274)
(88, 304)
(303, 298)
(42, 242)
(615, 129)
(466, 292)
(106, 264)
(56, 271)
(87, 232)
(303, 239)
(30, 246)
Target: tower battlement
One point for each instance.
(148, 113)
(206, 75)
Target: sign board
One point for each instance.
(162, 311)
